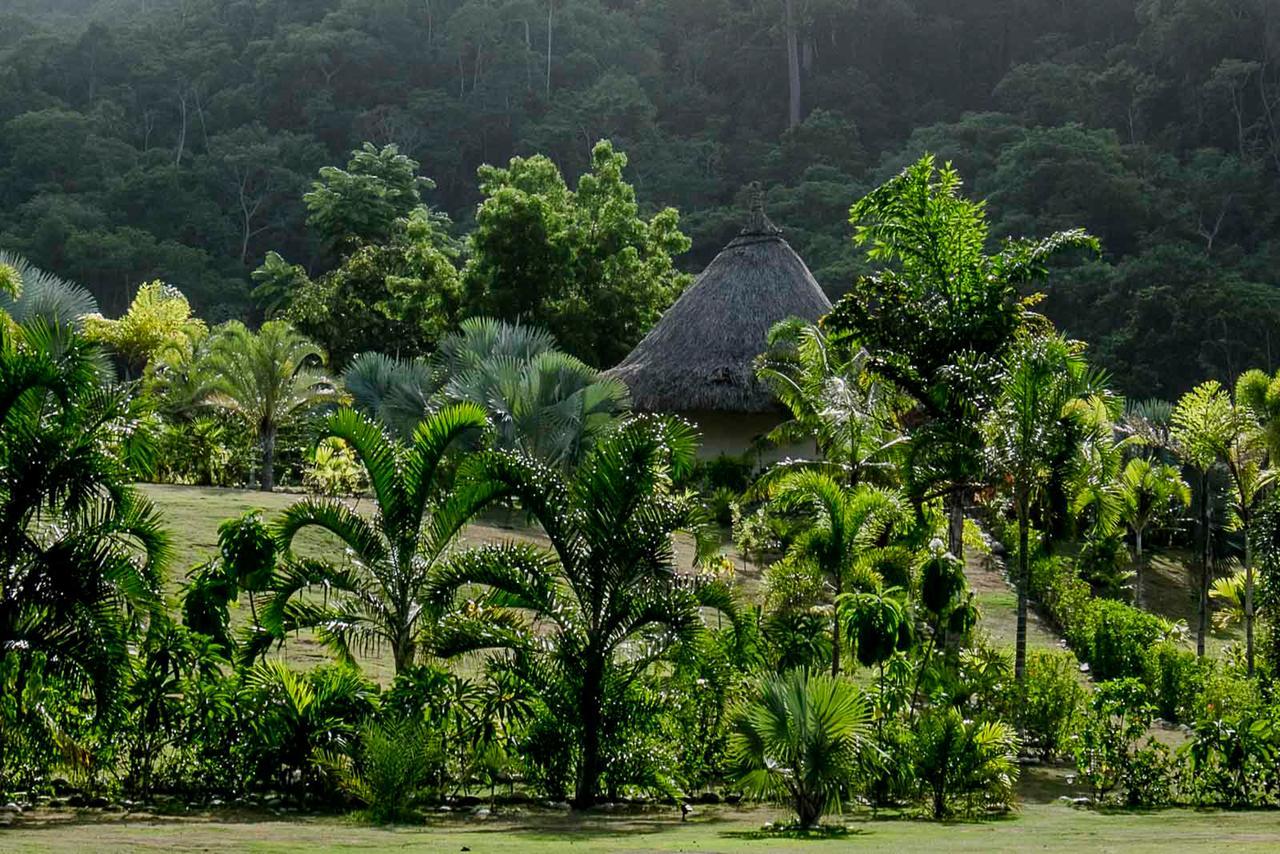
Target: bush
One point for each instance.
(1106, 744)
(395, 760)
(1174, 678)
(1148, 778)
(1049, 701)
(1121, 636)
(971, 762)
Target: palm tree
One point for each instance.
(1148, 490)
(956, 755)
(1211, 430)
(1045, 382)
(81, 553)
(1259, 395)
(539, 399)
(267, 379)
(844, 538)
(375, 598)
(606, 596)
(834, 402)
(42, 295)
(802, 740)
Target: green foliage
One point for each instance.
(266, 380)
(581, 263)
(360, 204)
(334, 469)
(375, 600)
(393, 761)
(803, 741)
(159, 319)
(1047, 705)
(606, 580)
(1107, 742)
(973, 763)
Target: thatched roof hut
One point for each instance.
(700, 358)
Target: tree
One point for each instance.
(581, 263)
(844, 536)
(267, 379)
(358, 205)
(1148, 490)
(375, 598)
(803, 741)
(939, 317)
(159, 318)
(81, 551)
(606, 595)
(834, 400)
(539, 399)
(955, 755)
(1044, 385)
(1205, 426)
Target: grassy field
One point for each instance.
(1038, 827)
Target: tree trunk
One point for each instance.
(835, 629)
(793, 64)
(1202, 622)
(551, 19)
(1024, 579)
(589, 712)
(955, 524)
(1138, 568)
(1248, 597)
(267, 479)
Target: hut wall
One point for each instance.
(734, 433)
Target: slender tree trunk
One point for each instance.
(793, 64)
(1248, 596)
(835, 628)
(551, 19)
(955, 524)
(1024, 580)
(1138, 569)
(1202, 622)
(589, 711)
(267, 480)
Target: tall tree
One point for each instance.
(1044, 385)
(939, 316)
(1148, 491)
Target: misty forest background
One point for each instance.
(174, 139)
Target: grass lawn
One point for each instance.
(1038, 827)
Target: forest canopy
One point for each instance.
(175, 140)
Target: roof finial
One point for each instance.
(757, 221)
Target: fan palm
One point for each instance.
(81, 553)
(802, 740)
(845, 534)
(606, 596)
(267, 380)
(43, 295)
(539, 399)
(376, 598)
(1045, 383)
(1148, 490)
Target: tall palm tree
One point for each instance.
(1259, 395)
(1046, 381)
(1205, 426)
(1148, 490)
(267, 379)
(81, 553)
(376, 597)
(606, 595)
(802, 740)
(845, 535)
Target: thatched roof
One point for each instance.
(701, 355)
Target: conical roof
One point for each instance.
(701, 355)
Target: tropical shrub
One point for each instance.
(334, 469)
(1174, 678)
(973, 763)
(1107, 741)
(1121, 637)
(1047, 704)
(805, 740)
(391, 763)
